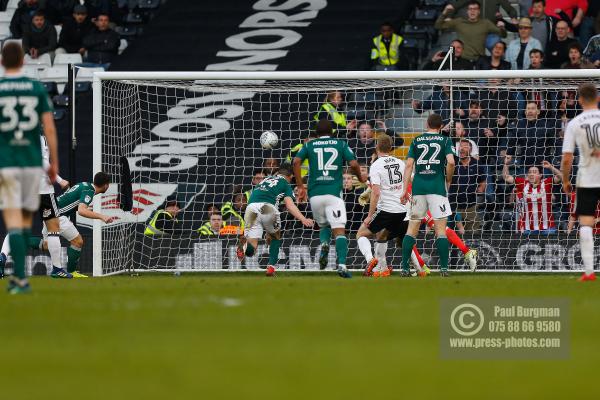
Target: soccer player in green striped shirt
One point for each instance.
(262, 214)
(431, 158)
(326, 158)
(25, 108)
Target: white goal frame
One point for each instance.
(99, 77)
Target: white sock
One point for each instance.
(364, 245)
(5, 247)
(586, 242)
(380, 251)
(54, 249)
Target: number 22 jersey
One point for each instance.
(429, 151)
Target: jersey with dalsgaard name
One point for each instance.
(326, 158)
(22, 103)
(583, 133)
(69, 201)
(387, 172)
(46, 186)
(429, 151)
(271, 190)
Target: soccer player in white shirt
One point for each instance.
(386, 217)
(583, 132)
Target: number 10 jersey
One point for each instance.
(583, 132)
(429, 151)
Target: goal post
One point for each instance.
(193, 137)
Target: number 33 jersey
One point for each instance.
(387, 172)
(429, 151)
(22, 103)
(583, 131)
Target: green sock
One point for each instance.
(249, 250)
(443, 249)
(274, 251)
(34, 242)
(18, 249)
(407, 245)
(73, 254)
(325, 235)
(341, 249)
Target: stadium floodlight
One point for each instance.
(193, 136)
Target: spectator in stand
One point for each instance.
(496, 60)
(533, 138)
(332, 110)
(57, 10)
(472, 30)
(458, 62)
(233, 213)
(490, 10)
(468, 181)
(355, 211)
(518, 50)
(557, 51)
(75, 28)
(592, 50)
(270, 166)
(576, 60)
(575, 9)
(477, 127)
(591, 22)
(461, 134)
(21, 19)
(258, 177)
(102, 43)
(439, 103)
(213, 226)
(386, 54)
(536, 59)
(40, 38)
(543, 25)
(363, 144)
(533, 198)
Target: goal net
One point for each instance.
(192, 139)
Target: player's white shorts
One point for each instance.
(260, 217)
(438, 205)
(329, 210)
(67, 229)
(20, 188)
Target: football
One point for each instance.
(268, 140)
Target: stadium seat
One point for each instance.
(4, 30)
(5, 17)
(59, 113)
(427, 15)
(41, 62)
(13, 4)
(126, 31)
(86, 74)
(19, 41)
(81, 87)
(123, 45)
(133, 18)
(69, 58)
(31, 71)
(61, 100)
(59, 74)
(148, 4)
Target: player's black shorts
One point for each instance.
(587, 201)
(48, 208)
(394, 223)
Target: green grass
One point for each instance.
(292, 337)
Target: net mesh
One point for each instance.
(197, 142)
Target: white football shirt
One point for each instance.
(45, 184)
(387, 173)
(583, 132)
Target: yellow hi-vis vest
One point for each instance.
(228, 210)
(337, 117)
(151, 228)
(290, 159)
(380, 52)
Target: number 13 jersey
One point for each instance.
(429, 151)
(583, 131)
(326, 157)
(387, 172)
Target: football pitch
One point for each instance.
(235, 336)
